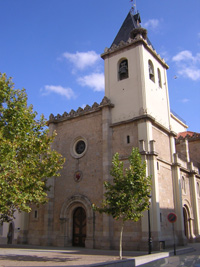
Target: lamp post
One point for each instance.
(149, 226)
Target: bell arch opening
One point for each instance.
(123, 69)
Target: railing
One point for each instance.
(195, 162)
(175, 114)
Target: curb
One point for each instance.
(139, 260)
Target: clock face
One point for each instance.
(80, 147)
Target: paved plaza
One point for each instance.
(47, 256)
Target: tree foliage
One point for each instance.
(26, 157)
(128, 195)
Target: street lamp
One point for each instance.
(149, 226)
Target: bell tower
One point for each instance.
(136, 83)
(135, 75)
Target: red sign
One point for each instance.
(172, 217)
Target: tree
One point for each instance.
(128, 195)
(26, 157)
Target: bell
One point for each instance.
(123, 70)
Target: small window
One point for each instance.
(151, 71)
(128, 139)
(158, 167)
(78, 147)
(35, 214)
(183, 186)
(159, 79)
(123, 69)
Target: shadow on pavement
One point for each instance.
(34, 258)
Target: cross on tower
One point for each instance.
(133, 6)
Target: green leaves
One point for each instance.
(128, 196)
(26, 157)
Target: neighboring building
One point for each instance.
(135, 112)
(188, 151)
(10, 232)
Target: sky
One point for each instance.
(52, 49)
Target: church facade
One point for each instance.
(135, 112)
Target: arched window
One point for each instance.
(123, 69)
(151, 71)
(159, 79)
(183, 186)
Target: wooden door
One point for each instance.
(79, 227)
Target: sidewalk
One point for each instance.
(50, 256)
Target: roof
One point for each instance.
(188, 134)
(131, 22)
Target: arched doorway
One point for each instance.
(79, 227)
(187, 226)
(67, 220)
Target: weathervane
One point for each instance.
(133, 8)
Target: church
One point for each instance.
(135, 112)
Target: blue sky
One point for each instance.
(52, 48)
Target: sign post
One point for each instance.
(172, 219)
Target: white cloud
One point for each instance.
(185, 100)
(188, 65)
(94, 81)
(82, 60)
(152, 24)
(190, 72)
(66, 92)
(186, 55)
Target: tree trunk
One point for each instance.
(120, 241)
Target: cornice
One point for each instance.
(134, 42)
(145, 117)
(80, 111)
